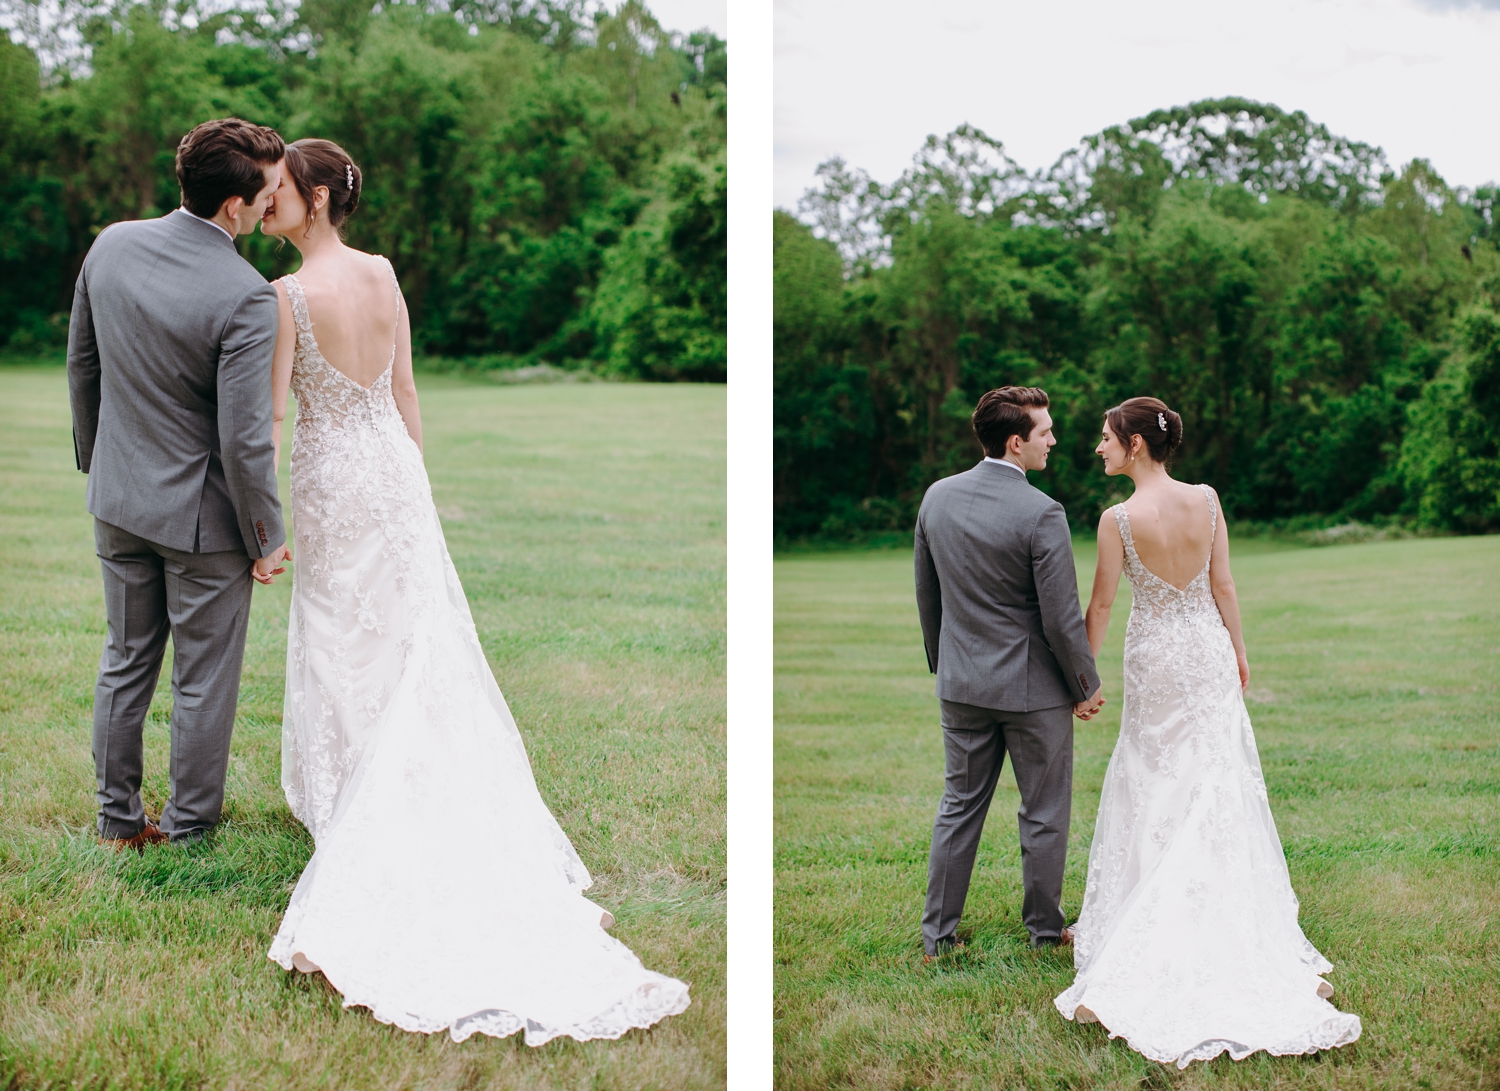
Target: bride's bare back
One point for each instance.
(359, 323)
(1171, 525)
(353, 313)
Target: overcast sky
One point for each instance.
(691, 15)
(869, 79)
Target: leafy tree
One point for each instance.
(1450, 460)
(826, 432)
(548, 180)
(1289, 295)
(32, 225)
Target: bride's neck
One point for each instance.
(318, 243)
(1147, 474)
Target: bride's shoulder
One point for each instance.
(1199, 490)
(375, 269)
(370, 262)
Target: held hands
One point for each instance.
(267, 568)
(1087, 710)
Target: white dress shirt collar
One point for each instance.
(195, 216)
(1006, 462)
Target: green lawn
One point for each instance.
(587, 523)
(1373, 690)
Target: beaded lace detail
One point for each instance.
(438, 864)
(354, 468)
(1188, 944)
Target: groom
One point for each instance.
(998, 597)
(169, 374)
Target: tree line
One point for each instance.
(1326, 326)
(548, 179)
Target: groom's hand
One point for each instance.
(1087, 710)
(267, 568)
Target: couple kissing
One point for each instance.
(442, 894)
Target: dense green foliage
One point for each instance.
(548, 180)
(1326, 327)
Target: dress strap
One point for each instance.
(395, 284)
(298, 299)
(1213, 516)
(1122, 520)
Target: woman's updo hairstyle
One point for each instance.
(1149, 418)
(312, 163)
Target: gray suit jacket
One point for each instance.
(169, 372)
(998, 594)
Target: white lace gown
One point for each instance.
(442, 894)
(1188, 945)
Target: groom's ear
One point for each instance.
(233, 206)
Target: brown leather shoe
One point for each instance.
(150, 835)
(945, 949)
(1047, 943)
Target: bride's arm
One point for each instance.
(281, 367)
(403, 383)
(1221, 582)
(1106, 580)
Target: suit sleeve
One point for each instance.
(929, 597)
(83, 374)
(245, 422)
(1057, 597)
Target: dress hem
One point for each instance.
(1339, 1029)
(638, 1009)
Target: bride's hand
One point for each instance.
(267, 568)
(1244, 665)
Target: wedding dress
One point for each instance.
(1188, 945)
(442, 894)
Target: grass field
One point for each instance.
(587, 523)
(1373, 693)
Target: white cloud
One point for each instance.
(869, 79)
(689, 15)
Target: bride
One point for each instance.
(442, 894)
(1188, 944)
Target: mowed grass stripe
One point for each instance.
(1373, 692)
(587, 523)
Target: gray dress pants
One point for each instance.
(975, 741)
(203, 601)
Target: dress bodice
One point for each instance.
(1176, 649)
(1154, 600)
(326, 397)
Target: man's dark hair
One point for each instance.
(1006, 412)
(224, 158)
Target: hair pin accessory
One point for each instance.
(349, 175)
(1161, 419)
